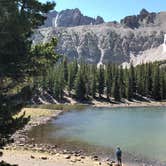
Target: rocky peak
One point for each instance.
(143, 19)
(99, 20)
(138, 39)
(70, 18)
(144, 12)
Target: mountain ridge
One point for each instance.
(70, 18)
(110, 42)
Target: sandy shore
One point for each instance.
(29, 158)
(22, 154)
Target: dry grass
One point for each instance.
(36, 112)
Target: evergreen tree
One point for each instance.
(93, 84)
(121, 82)
(65, 68)
(141, 79)
(148, 79)
(80, 87)
(116, 89)
(101, 81)
(108, 81)
(18, 18)
(131, 82)
(129, 91)
(72, 72)
(162, 86)
(59, 83)
(156, 93)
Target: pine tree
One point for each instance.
(121, 82)
(108, 80)
(148, 79)
(156, 83)
(101, 81)
(141, 79)
(80, 87)
(70, 78)
(132, 81)
(65, 69)
(59, 83)
(129, 91)
(116, 89)
(162, 86)
(17, 21)
(72, 72)
(93, 84)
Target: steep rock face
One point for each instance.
(50, 19)
(89, 43)
(109, 42)
(143, 19)
(70, 18)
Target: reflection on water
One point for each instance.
(140, 131)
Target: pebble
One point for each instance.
(44, 158)
(21, 145)
(32, 157)
(1, 153)
(73, 160)
(67, 157)
(82, 157)
(95, 158)
(97, 163)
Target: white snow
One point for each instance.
(164, 44)
(55, 21)
(101, 57)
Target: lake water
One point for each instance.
(139, 131)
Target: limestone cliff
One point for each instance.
(111, 42)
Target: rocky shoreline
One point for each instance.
(23, 142)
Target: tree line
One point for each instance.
(87, 81)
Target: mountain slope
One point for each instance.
(111, 42)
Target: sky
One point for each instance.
(110, 10)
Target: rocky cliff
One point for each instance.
(136, 36)
(70, 18)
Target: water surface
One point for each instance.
(140, 131)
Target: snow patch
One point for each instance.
(55, 20)
(164, 44)
(101, 57)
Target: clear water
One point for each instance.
(141, 131)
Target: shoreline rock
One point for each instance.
(22, 141)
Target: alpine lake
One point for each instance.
(139, 131)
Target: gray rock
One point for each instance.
(143, 19)
(70, 18)
(108, 42)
